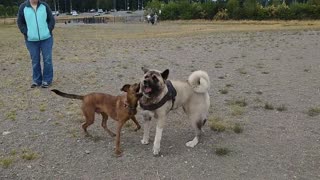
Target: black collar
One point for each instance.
(171, 95)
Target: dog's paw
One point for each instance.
(156, 151)
(144, 142)
(118, 153)
(192, 143)
(136, 129)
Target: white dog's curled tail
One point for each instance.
(199, 81)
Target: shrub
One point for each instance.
(250, 8)
(186, 10)
(305, 11)
(234, 9)
(221, 15)
(170, 11)
(209, 10)
(283, 12)
(153, 6)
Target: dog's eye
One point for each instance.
(155, 78)
(146, 77)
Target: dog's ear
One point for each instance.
(125, 88)
(165, 74)
(138, 87)
(144, 69)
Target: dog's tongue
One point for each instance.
(147, 90)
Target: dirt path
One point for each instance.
(41, 136)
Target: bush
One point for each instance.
(153, 6)
(222, 15)
(304, 11)
(209, 10)
(250, 8)
(185, 10)
(262, 13)
(234, 9)
(283, 12)
(2, 10)
(170, 11)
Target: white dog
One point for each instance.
(161, 95)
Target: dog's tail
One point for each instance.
(199, 81)
(71, 96)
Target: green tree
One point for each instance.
(250, 8)
(234, 10)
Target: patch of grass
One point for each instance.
(224, 91)
(97, 138)
(237, 128)
(6, 162)
(28, 155)
(222, 151)
(265, 72)
(282, 107)
(11, 115)
(73, 132)
(237, 110)
(315, 111)
(240, 102)
(128, 124)
(259, 92)
(218, 65)
(217, 124)
(260, 65)
(13, 152)
(229, 85)
(268, 106)
(42, 107)
(258, 100)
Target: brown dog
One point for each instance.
(120, 108)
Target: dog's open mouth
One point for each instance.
(147, 90)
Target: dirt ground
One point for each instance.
(264, 63)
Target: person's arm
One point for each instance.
(50, 19)
(22, 25)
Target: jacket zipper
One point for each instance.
(35, 13)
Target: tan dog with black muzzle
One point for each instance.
(120, 108)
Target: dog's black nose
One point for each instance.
(145, 82)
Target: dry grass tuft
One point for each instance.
(222, 151)
(315, 111)
(217, 124)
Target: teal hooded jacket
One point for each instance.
(35, 25)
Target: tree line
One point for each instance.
(189, 9)
(236, 9)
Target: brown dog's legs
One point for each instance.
(136, 122)
(104, 124)
(118, 150)
(89, 115)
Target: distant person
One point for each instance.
(155, 18)
(148, 18)
(36, 22)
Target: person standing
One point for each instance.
(36, 23)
